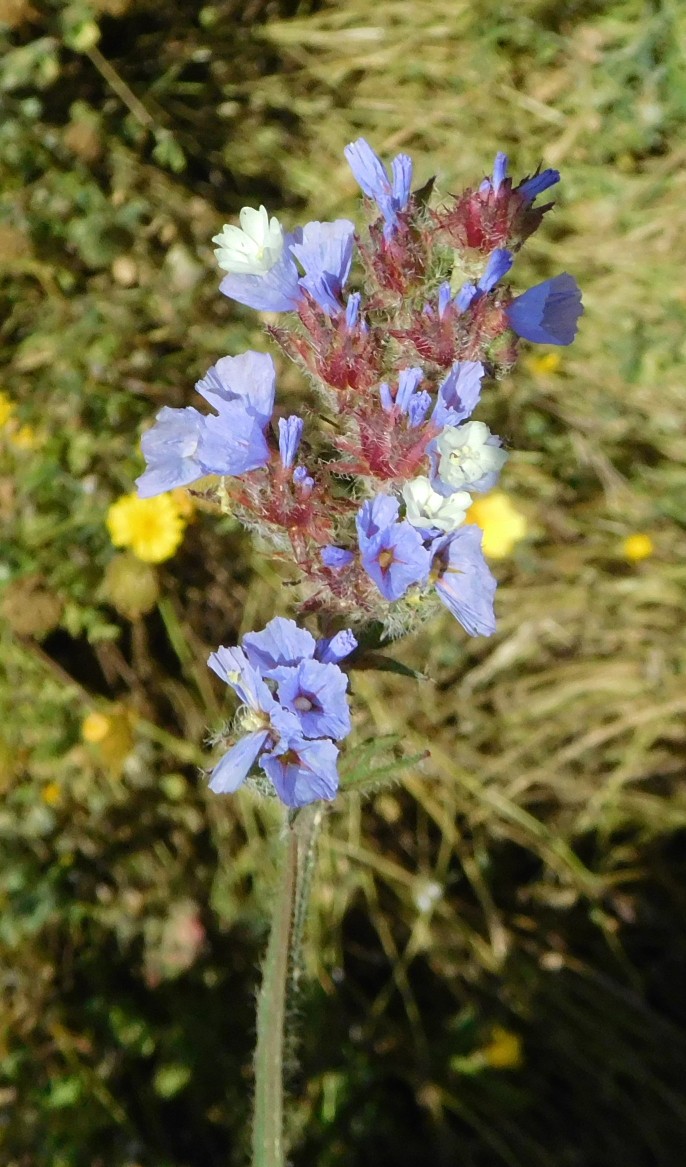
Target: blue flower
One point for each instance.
(332, 649)
(303, 481)
(336, 558)
(459, 394)
(303, 771)
(249, 378)
(316, 694)
(262, 717)
(289, 731)
(463, 580)
(530, 188)
(290, 433)
(281, 643)
(391, 197)
(393, 554)
(325, 253)
(499, 175)
(277, 290)
(548, 313)
(171, 450)
(499, 263)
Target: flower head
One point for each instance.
(151, 527)
(427, 509)
(463, 581)
(254, 247)
(390, 195)
(637, 547)
(470, 457)
(293, 703)
(325, 252)
(392, 554)
(549, 312)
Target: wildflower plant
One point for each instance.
(399, 327)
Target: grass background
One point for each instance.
(497, 944)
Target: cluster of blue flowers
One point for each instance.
(400, 366)
(294, 707)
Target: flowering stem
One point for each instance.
(280, 980)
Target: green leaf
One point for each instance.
(375, 764)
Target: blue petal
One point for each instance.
(465, 584)
(233, 443)
(249, 378)
(532, 187)
(459, 394)
(499, 263)
(278, 290)
(333, 649)
(323, 687)
(170, 449)
(548, 313)
(376, 515)
(305, 771)
(235, 766)
(290, 433)
(281, 642)
(325, 253)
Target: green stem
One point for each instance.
(267, 1134)
(283, 970)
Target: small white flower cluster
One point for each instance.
(253, 248)
(426, 508)
(470, 457)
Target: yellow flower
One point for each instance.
(25, 438)
(502, 524)
(543, 365)
(152, 527)
(6, 408)
(637, 547)
(95, 727)
(111, 735)
(504, 1050)
(50, 793)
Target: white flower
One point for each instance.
(467, 456)
(251, 249)
(426, 508)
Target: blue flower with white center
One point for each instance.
(549, 312)
(303, 771)
(290, 433)
(261, 718)
(463, 580)
(325, 253)
(170, 448)
(390, 195)
(470, 457)
(275, 290)
(459, 393)
(316, 694)
(392, 553)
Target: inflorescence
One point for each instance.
(368, 505)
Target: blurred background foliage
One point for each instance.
(498, 948)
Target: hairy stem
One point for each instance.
(267, 1135)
